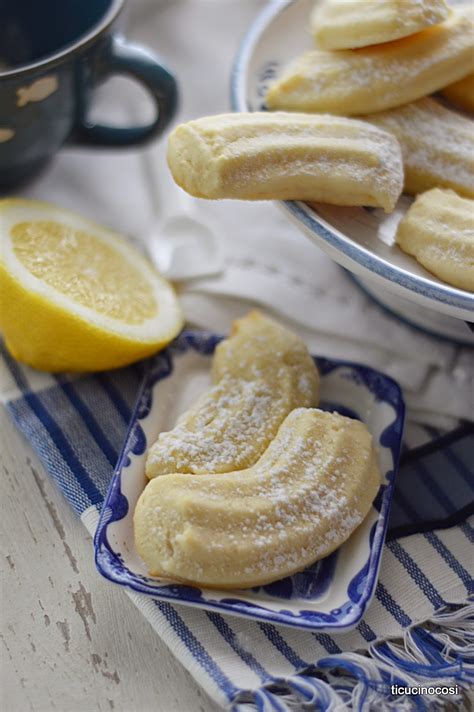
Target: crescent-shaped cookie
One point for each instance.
(287, 156)
(438, 229)
(437, 145)
(261, 373)
(305, 496)
(346, 24)
(376, 78)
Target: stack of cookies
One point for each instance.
(254, 482)
(376, 61)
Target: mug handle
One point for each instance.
(129, 59)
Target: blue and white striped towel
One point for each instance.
(419, 629)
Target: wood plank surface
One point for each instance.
(72, 642)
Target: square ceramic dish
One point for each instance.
(332, 593)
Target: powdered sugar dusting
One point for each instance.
(224, 430)
(437, 145)
(307, 493)
(262, 372)
(378, 77)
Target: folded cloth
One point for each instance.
(418, 630)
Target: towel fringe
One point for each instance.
(439, 653)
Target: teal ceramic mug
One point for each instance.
(52, 55)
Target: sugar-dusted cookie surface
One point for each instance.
(380, 77)
(260, 373)
(346, 24)
(287, 156)
(305, 496)
(437, 145)
(438, 229)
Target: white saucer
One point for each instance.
(360, 239)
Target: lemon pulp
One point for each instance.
(81, 267)
(75, 296)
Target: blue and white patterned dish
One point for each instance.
(331, 594)
(362, 240)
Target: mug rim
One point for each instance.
(81, 42)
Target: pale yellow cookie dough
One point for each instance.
(260, 374)
(305, 496)
(437, 146)
(438, 230)
(346, 24)
(461, 93)
(287, 156)
(380, 77)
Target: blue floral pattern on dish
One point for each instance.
(289, 597)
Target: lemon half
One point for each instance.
(75, 296)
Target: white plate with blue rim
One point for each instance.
(360, 239)
(330, 595)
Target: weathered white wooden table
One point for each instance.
(72, 642)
